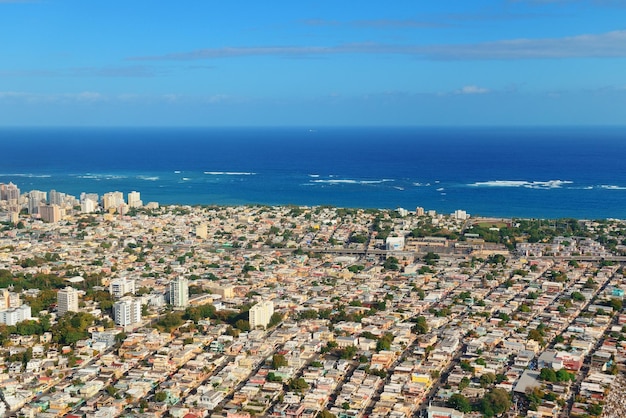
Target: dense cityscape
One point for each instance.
(111, 307)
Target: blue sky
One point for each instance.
(312, 63)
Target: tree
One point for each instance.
(278, 360)
(298, 384)
(421, 326)
(464, 383)
(548, 374)
(487, 379)
(160, 396)
(326, 414)
(460, 403)
(496, 402)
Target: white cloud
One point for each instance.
(472, 90)
(604, 45)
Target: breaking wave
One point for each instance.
(550, 184)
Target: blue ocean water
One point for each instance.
(511, 172)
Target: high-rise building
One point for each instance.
(88, 206)
(67, 300)
(120, 287)
(260, 314)
(113, 200)
(134, 200)
(50, 213)
(9, 299)
(127, 311)
(419, 211)
(55, 198)
(35, 199)
(179, 292)
(9, 192)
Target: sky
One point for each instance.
(312, 63)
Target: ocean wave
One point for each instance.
(314, 175)
(185, 179)
(90, 176)
(229, 173)
(421, 184)
(350, 181)
(148, 178)
(611, 187)
(550, 184)
(32, 176)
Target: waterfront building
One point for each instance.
(9, 192)
(121, 286)
(113, 200)
(179, 292)
(88, 206)
(127, 311)
(35, 199)
(134, 200)
(260, 314)
(67, 300)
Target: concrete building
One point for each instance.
(120, 287)
(67, 300)
(201, 231)
(179, 292)
(394, 243)
(134, 200)
(127, 311)
(35, 199)
(12, 316)
(260, 314)
(50, 213)
(9, 192)
(113, 200)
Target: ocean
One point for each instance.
(504, 172)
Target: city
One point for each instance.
(113, 308)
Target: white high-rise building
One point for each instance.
(88, 206)
(120, 287)
(179, 292)
(35, 199)
(134, 200)
(260, 314)
(127, 311)
(67, 300)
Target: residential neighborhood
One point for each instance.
(289, 311)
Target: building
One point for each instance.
(9, 299)
(67, 300)
(35, 199)
(9, 192)
(201, 231)
(120, 287)
(127, 311)
(134, 200)
(12, 316)
(179, 292)
(88, 206)
(113, 200)
(50, 213)
(441, 412)
(394, 243)
(260, 314)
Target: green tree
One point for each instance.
(278, 360)
(548, 374)
(460, 403)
